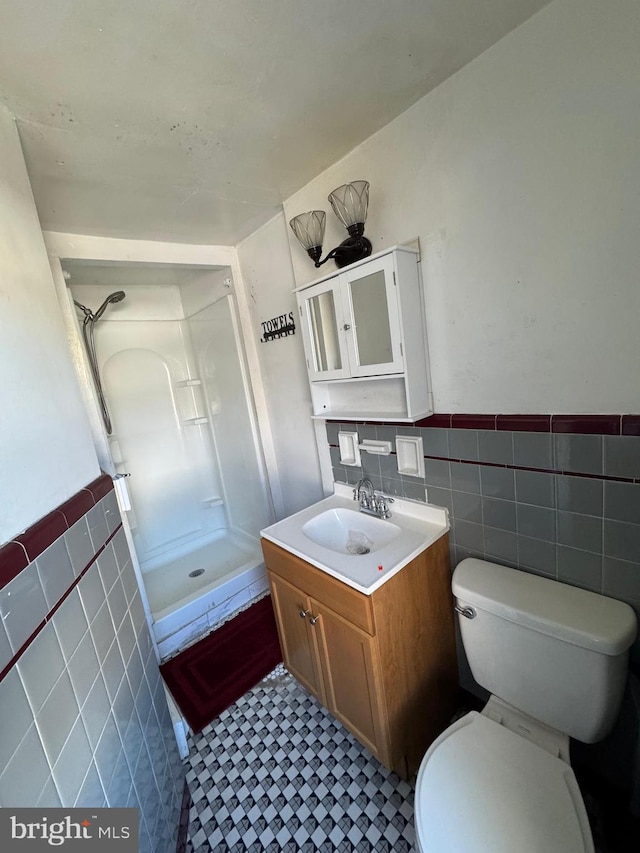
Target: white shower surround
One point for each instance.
(195, 614)
(190, 448)
(176, 313)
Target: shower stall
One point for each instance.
(184, 434)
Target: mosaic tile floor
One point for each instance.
(275, 772)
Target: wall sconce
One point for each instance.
(350, 203)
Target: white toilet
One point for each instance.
(554, 658)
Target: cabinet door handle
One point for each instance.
(303, 613)
(346, 327)
(313, 620)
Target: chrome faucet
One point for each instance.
(364, 492)
(371, 502)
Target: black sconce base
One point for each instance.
(353, 249)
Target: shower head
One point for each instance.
(118, 296)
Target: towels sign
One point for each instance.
(278, 327)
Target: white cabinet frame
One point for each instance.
(346, 380)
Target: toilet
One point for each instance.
(554, 658)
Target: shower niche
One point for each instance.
(171, 362)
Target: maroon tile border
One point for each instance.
(45, 531)
(100, 487)
(22, 649)
(42, 534)
(473, 421)
(57, 605)
(631, 425)
(610, 424)
(13, 559)
(588, 424)
(524, 423)
(77, 507)
(438, 421)
(17, 554)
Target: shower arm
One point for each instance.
(88, 313)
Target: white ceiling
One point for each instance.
(192, 120)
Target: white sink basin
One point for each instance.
(348, 532)
(358, 549)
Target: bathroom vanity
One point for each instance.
(381, 659)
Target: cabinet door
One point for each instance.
(297, 637)
(374, 340)
(323, 334)
(352, 684)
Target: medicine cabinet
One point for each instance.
(364, 337)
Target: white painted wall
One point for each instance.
(521, 177)
(265, 262)
(46, 451)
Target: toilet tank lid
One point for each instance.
(565, 612)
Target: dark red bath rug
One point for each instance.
(211, 675)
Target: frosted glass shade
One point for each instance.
(350, 203)
(309, 228)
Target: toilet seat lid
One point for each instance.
(483, 789)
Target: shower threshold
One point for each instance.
(191, 594)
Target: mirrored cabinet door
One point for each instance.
(372, 306)
(322, 332)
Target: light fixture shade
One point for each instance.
(309, 228)
(350, 203)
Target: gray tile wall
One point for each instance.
(541, 502)
(84, 715)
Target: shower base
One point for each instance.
(191, 594)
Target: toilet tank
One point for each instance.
(556, 652)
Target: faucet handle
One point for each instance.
(383, 505)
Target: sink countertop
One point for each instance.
(421, 524)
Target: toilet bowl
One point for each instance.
(554, 658)
(483, 788)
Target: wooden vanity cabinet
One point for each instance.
(383, 664)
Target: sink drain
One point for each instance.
(358, 549)
(196, 573)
